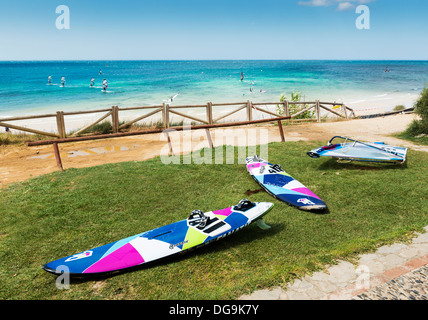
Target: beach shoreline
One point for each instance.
(364, 86)
(370, 105)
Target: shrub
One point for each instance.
(294, 108)
(421, 106)
(418, 127)
(101, 128)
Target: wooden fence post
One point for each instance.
(286, 108)
(115, 118)
(171, 151)
(249, 111)
(60, 124)
(281, 131)
(166, 115)
(210, 112)
(318, 111)
(57, 156)
(163, 116)
(210, 141)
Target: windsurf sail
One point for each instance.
(354, 150)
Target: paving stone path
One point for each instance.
(411, 286)
(395, 272)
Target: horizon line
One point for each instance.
(231, 59)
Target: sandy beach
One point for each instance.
(368, 105)
(19, 163)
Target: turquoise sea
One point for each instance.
(363, 85)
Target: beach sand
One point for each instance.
(19, 163)
(371, 104)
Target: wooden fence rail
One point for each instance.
(165, 131)
(282, 109)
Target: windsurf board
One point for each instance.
(198, 230)
(283, 186)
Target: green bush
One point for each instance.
(101, 128)
(421, 106)
(294, 108)
(418, 127)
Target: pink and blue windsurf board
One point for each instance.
(198, 230)
(283, 186)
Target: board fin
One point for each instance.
(262, 224)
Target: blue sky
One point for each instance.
(198, 29)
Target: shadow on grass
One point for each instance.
(333, 164)
(234, 240)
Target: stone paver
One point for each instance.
(395, 272)
(410, 286)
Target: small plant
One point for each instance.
(294, 108)
(101, 128)
(399, 107)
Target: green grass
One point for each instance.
(20, 139)
(63, 213)
(418, 139)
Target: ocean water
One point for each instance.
(362, 85)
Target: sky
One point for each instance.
(213, 30)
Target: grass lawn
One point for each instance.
(63, 213)
(422, 140)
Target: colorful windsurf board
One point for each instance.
(198, 230)
(283, 186)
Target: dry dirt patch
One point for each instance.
(18, 163)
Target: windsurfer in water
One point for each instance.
(242, 76)
(49, 79)
(105, 85)
(92, 82)
(63, 81)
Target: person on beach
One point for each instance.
(63, 81)
(92, 82)
(105, 85)
(7, 130)
(49, 79)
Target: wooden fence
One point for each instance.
(166, 110)
(164, 131)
